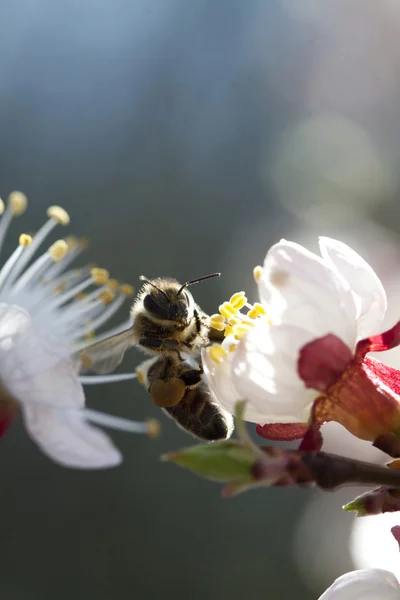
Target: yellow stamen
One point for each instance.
(228, 330)
(232, 347)
(71, 241)
(234, 321)
(85, 360)
(217, 353)
(99, 276)
(217, 322)
(238, 300)
(257, 272)
(239, 331)
(140, 376)
(113, 284)
(153, 428)
(84, 243)
(60, 288)
(58, 250)
(1, 206)
(227, 310)
(25, 239)
(248, 322)
(59, 214)
(106, 296)
(81, 296)
(127, 289)
(89, 335)
(17, 203)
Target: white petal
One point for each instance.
(264, 370)
(366, 286)
(367, 584)
(14, 322)
(299, 288)
(39, 369)
(68, 439)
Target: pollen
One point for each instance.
(25, 239)
(228, 330)
(1, 206)
(257, 272)
(257, 310)
(17, 203)
(232, 347)
(238, 300)
(227, 310)
(217, 322)
(90, 335)
(81, 296)
(153, 428)
(99, 276)
(60, 288)
(106, 296)
(58, 250)
(113, 285)
(59, 214)
(127, 289)
(239, 331)
(217, 353)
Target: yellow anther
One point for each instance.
(59, 214)
(106, 296)
(81, 296)
(234, 321)
(1, 206)
(113, 284)
(85, 360)
(58, 250)
(232, 347)
(239, 331)
(90, 335)
(25, 239)
(260, 308)
(140, 376)
(17, 203)
(99, 276)
(228, 330)
(71, 241)
(217, 322)
(153, 428)
(238, 300)
(257, 272)
(227, 310)
(248, 322)
(60, 288)
(84, 243)
(217, 353)
(127, 289)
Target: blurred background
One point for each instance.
(186, 138)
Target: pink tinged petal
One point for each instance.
(322, 362)
(382, 374)
(264, 371)
(396, 533)
(68, 439)
(299, 288)
(369, 293)
(282, 431)
(379, 343)
(366, 584)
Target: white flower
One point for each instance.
(366, 584)
(335, 299)
(44, 319)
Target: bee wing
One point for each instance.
(105, 356)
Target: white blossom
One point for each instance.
(366, 584)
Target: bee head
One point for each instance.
(168, 300)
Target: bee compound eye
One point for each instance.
(167, 393)
(154, 308)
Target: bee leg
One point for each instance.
(191, 377)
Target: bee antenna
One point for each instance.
(197, 281)
(143, 278)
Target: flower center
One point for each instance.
(234, 322)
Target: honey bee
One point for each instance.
(170, 326)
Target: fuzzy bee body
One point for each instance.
(168, 325)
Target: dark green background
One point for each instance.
(149, 121)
